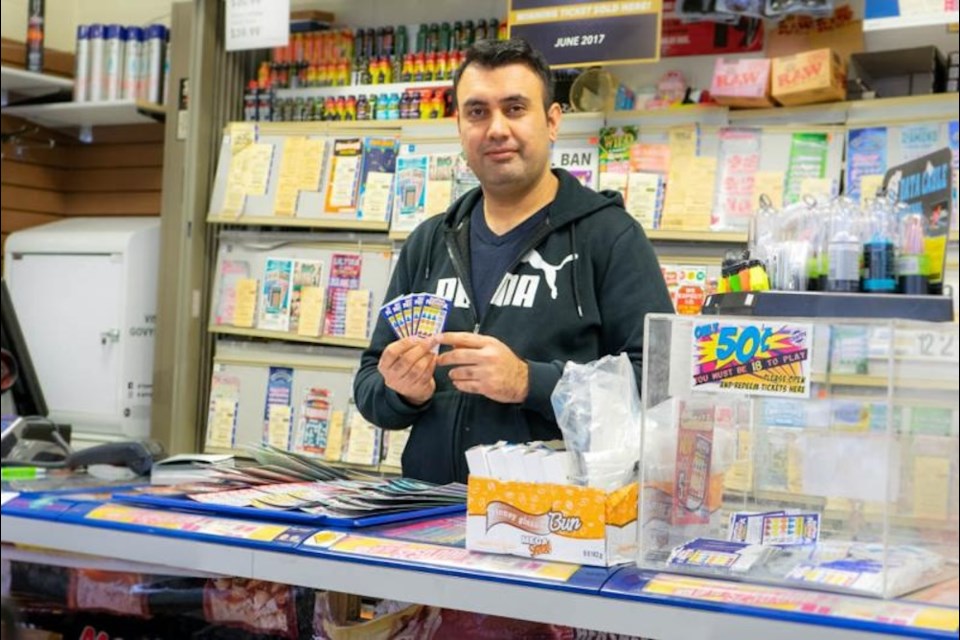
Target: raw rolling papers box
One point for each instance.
(565, 523)
(809, 77)
(741, 83)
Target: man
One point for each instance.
(539, 271)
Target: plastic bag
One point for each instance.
(598, 409)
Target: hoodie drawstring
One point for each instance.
(575, 272)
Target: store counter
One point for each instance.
(421, 562)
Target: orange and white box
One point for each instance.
(558, 522)
(809, 77)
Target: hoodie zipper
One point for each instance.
(450, 241)
(461, 272)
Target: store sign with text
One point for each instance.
(752, 358)
(573, 33)
(256, 24)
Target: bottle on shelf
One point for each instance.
(131, 76)
(444, 44)
(481, 32)
(350, 108)
(879, 251)
(384, 71)
(913, 270)
(34, 48)
(844, 249)
(419, 67)
(114, 40)
(421, 38)
(401, 47)
(456, 36)
(414, 112)
(81, 74)
(406, 75)
(155, 43)
(251, 101)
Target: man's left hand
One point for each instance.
(484, 365)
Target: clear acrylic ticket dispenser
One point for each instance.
(810, 453)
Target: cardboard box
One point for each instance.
(844, 38)
(741, 83)
(901, 72)
(565, 523)
(808, 78)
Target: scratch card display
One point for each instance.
(314, 422)
(222, 412)
(275, 294)
(344, 181)
(376, 180)
(416, 314)
(410, 198)
(277, 412)
(345, 269)
(306, 273)
(231, 271)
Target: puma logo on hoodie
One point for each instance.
(515, 290)
(535, 260)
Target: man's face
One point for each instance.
(505, 132)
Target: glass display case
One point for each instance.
(819, 453)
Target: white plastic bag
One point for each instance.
(598, 409)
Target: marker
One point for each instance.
(22, 473)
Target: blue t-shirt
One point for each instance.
(491, 255)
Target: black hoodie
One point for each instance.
(580, 292)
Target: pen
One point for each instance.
(22, 473)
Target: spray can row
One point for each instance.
(120, 63)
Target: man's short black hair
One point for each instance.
(493, 54)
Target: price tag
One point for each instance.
(934, 345)
(257, 24)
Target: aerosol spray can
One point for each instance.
(156, 40)
(95, 84)
(132, 64)
(81, 74)
(35, 36)
(114, 39)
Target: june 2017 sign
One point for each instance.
(574, 33)
(756, 358)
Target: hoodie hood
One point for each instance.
(577, 203)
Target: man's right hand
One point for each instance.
(407, 367)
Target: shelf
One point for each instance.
(357, 343)
(724, 237)
(357, 89)
(27, 84)
(854, 112)
(309, 223)
(882, 382)
(86, 115)
(606, 600)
